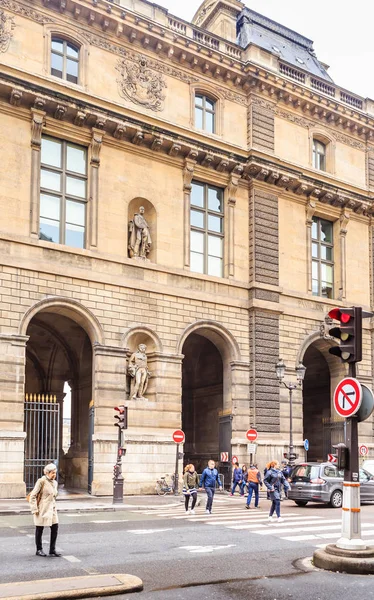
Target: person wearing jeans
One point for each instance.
(237, 479)
(190, 483)
(254, 481)
(274, 480)
(208, 480)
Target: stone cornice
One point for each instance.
(106, 22)
(150, 138)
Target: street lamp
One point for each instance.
(280, 369)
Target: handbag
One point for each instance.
(38, 495)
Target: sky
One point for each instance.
(342, 32)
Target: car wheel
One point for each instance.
(301, 502)
(336, 499)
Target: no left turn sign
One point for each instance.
(347, 397)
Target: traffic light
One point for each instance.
(342, 456)
(349, 333)
(121, 417)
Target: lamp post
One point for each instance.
(280, 369)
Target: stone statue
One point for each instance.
(138, 370)
(140, 241)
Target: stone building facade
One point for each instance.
(256, 174)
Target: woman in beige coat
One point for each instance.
(44, 511)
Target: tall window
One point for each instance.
(205, 113)
(207, 232)
(322, 258)
(64, 60)
(63, 192)
(319, 155)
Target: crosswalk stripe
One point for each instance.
(335, 535)
(300, 530)
(220, 516)
(288, 521)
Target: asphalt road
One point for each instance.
(232, 554)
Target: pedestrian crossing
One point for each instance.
(295, 526)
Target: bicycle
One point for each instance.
(163, 488)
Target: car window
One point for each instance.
(330, 471)
(364, 476)
(305, 473)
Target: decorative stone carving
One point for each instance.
(201, 16)
(138, 371)
(96, 145)
(7, 25)
(140, 84)
(25, 11)
(140, 241)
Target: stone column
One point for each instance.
(232, 189)
(96, 145)
(12, 435)
(37, 124)
(188, 172)
(310, 210)
(344, 220)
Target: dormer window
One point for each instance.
(205, 113)
(319, 155)
(64, 60)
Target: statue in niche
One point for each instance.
(140, 241)
(138, 370)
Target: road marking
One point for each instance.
(30, 535)
(112, 521)
(248, 523)
(204, 549)
(72, 559)
(91, 571)
(147, 531)
(301, 529)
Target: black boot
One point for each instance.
(52, 547)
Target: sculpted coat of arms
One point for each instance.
(140, 84)
(6, 28)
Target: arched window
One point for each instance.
(319, 155)
(205, 113)
(64, 60)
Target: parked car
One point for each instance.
(368, 465)
(322, 482)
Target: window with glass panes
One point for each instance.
(322, 258)
(64, 60)
(207, 233)
(63, 192)
(319, 155)
(205, 113)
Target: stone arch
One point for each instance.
(323, 346)
(69, 308)
(141, 334)
(150, 214)
(217, 334)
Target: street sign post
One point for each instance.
(251, 449)
(364, 450)
(331, 458)
(224, 457)
(179, 438)
(347, 397)
(252, 435)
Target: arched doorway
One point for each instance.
(58, 357)
(202, 400)
(322, 427)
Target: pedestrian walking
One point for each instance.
(254, 481)
(244, 479)
(274, 480)
(190, 485)
(43, 506)
(237, 478)
(209, 478)
(286, 470)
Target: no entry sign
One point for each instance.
(251, 435)
(347, 397)
(178, 436)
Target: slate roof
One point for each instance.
(289, 45)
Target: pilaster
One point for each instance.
(37, 124)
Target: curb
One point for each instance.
(91, 586)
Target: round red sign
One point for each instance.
(347, 397)
(364, 450)
(251, 435)
(234, 460)
(178, 436)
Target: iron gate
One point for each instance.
(42, 427)
(333, 433)
(91, 417)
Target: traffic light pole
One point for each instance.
(118, 477)
(351, 510)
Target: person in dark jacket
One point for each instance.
(244, 479)
(208, 480)
(274, 480)
(254, 481)
(190, 485)
(237, 479)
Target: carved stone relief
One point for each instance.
(140, 84)
(7, 25)
(25, 11)
(200, 18)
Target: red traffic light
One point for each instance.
(120, 409)
(340, 315)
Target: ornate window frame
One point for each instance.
(68, 34)
(320, 135)
(210, 92)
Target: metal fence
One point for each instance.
(42, 426)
